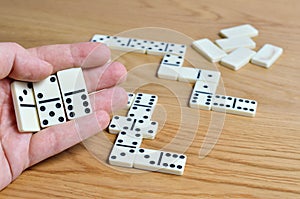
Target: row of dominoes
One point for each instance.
(132, 129)
(203, 95)
(239, 44)
(140, 45)
(51, 101)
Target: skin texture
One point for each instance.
(19, 151)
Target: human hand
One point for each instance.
(19, 151)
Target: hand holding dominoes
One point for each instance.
(36, 65)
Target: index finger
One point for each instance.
(63, 56)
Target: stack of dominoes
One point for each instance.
(140, 46)
(132, 129)
(238, 44)
(204, 93)
(51, 101)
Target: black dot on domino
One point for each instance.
(57, 105)
(40, 95)
(152, 162)
(87, 110)
(113, 157)
(179, 167)
(120, 141)
(131, 150)
(172, 165)
(45, 122)
(52, 79)
(72, 114)
(21, 98)
(141, 150)
(85, 103)
(122, 154)
(51, 113)
(70, 107)
(61, 119)
(68, 100)
(42, 108)
(83, 97)
(25, 92)
(165, 164)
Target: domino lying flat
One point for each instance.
(231, 44)
(131, 97)
(169, 67)
(125, 149)
(267, 55)
(201, 97)
(140, 45)
(25, 107)
(143, 106)
(238, 58)
(234, 105)
(245, 30)
(187, 74)
(147, 128)
(209, 50)
(160, 161)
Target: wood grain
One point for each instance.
(254, 157)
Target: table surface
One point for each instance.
(254, 157)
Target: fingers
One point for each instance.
(17, 63)
(104, 77)
(54, 140)
(5, 174)
(63, 56)
(109, 99)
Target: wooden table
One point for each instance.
(253, 158)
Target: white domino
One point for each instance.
(156, 48)
(147, 128)
(245, 30)
(231, 44)
(209, 50)
(176, 49)
(74, 93)
(238, 58)
(234, 105)
(129, 44)
(100, 38)
(118, 43)
(49, 103)
(169, 66)
(160, 161)
(130, 100)
(187, 74)
(267, 55)
(125, 148)
(143, 106)
(201, 97)
(25, 107)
